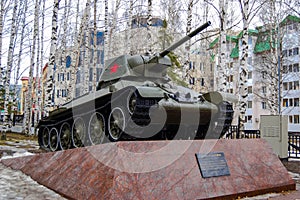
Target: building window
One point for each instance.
(296, 119)
(62, 77)
(296, 51)
(290, 52)
(291, 102)
(68, 76)
(249, 75)
(192, 81)
(296, 85)
(249, 104)
(58, 77)
(63, 93)
(285, 69)
(264, 89)
(248, 119)
(296, 102)
(250, 89)
(91, 75)
(290, 85)
(57, 93)
(285, 86)
(285, 103)
(290, 68)
(290, 119)
(264, 74)
(296, 67)
(201, 66)
(284, 53)
(264, 105)
(201, 81)
(228, 79)
(192, 65)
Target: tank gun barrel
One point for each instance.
(184, 39)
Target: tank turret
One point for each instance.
(135, 100)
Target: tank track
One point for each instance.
(140, 116)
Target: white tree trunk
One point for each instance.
(74, 59)
(41, 100)
(37, 75)
(273, 98)
(129, 25)
(28, 105)
(243, 87)
(24, 14)
(186, 70)
(50, 78)
(7, 100)
(76, 55)
(64, 41)
(87, 35)
(222, 59)
(149, 24)
(106, 53)
(2, 73)
(113, 28)
(95, 52)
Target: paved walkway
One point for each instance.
(16, 185)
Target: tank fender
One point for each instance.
(218, 97)
(150, 91)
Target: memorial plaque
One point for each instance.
(212, 164)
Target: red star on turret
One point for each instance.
(114, 68)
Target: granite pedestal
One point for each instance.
(157, 170)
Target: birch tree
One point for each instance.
(129, 27)
(74, 57)
(37, 71)
(149, 24)
(2, 73)
(64, 39)
(41, 104)
(243, 87)
(28, 104)
(222, 60)
(87, 51)
(8, 70)
(50, 78)
(23, 26)
(106, 54)
(186, 71)
(113, 28)
(95, 52)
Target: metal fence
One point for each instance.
(294, 145)
(293, 139)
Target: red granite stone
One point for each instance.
(158, 170)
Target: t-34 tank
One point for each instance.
(135, 100)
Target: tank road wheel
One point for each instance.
(116, 124)
(53, 141)
(96, 129)
(65, 136)
(44, 138)
(131, 102)
(78, 133)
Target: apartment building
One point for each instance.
(263, 62)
